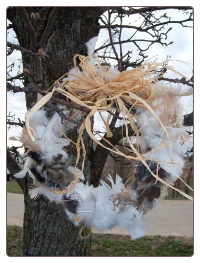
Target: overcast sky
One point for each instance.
(181, 50)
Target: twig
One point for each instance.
(15, 123)
(22, 49)
(37, 89)
(114, 120)
(183, 81)
(120, 45)
(113, 114)
(111, 42)
(126, 41)
(60, 113)
(133, 11)
(20, 76)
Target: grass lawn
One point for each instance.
(116, 245)
(14, 241)
(13, 187)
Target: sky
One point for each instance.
(180, 50)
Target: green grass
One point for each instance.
(116, 245)
(14, 241)
(13, 187)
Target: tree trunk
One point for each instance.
(47, 231)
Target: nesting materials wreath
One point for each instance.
(155, 115)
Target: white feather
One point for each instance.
(39, 118)
(43, 190)
(91, 45)
(47, 136)
(131, 220)
(34, 193)
(73, 73)
(21, 174)
(27, 165)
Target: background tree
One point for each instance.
(48, 39)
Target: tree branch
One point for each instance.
(15, 123)
(48, 27)
(20, 76)
(183, 81)
(37, 59)
(126, 41)
(22, 49)
(30, 27)
(133, 11)
(37, 89)
(111, 42)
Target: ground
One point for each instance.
(117, 245)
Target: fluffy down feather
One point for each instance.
(104, 207)
(48, 142)
(153, 140)
(43, 190)
(91, 45)
(27, 165)
(131, 220)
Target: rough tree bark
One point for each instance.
(47, 231)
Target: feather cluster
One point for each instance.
(105, 207)
(47, 163)
(169, 151)
(48, 142)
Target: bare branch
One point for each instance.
(15, 123)
(37, 89)
(22, 49)
(114, 120)
(133, 11)
(48, 27)
(37, 59)
(104, 57)
(183, 81)
(171, 22)
(111, 42)
(63, 116)
(126, 41)
(30, 27)
(20, 76)
(15, 89)
(120, 45)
